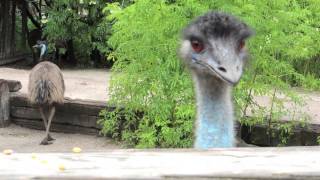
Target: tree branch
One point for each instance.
(36, 6)
(48, 3)
(33, 20)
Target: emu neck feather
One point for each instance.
(214, 125)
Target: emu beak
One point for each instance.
(230, 72)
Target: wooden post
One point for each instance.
(14, 86)
(4, 104)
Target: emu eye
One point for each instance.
(197, 46)
(242, 44)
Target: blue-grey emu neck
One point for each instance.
(213, 48)
(214, 125)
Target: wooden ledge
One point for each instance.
(74, 116)
(14, 86)
(236, 163)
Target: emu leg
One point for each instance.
(46, 140)
(52, 113)
(44, 118)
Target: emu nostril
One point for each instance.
(222, 69)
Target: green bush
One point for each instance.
(79, 21)
(154, 90)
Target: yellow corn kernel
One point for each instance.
(62, 167)
(76, 150)
(7, 151)
(33, 156)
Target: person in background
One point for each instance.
(43, 47)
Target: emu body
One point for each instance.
(213, 48)
(46, 89)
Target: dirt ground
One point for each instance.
(26, 140)
(80, 84)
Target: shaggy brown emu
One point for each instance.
(46, 89)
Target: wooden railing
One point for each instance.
(236, 163)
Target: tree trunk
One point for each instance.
(71, 56)
(33, 36)
(4, 104)
(24, 21)
(7, 28)
(40, 9)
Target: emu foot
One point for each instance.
(50, 138)
(45, 141)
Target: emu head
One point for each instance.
(42, 46)
(38, 44)
(215, 44)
